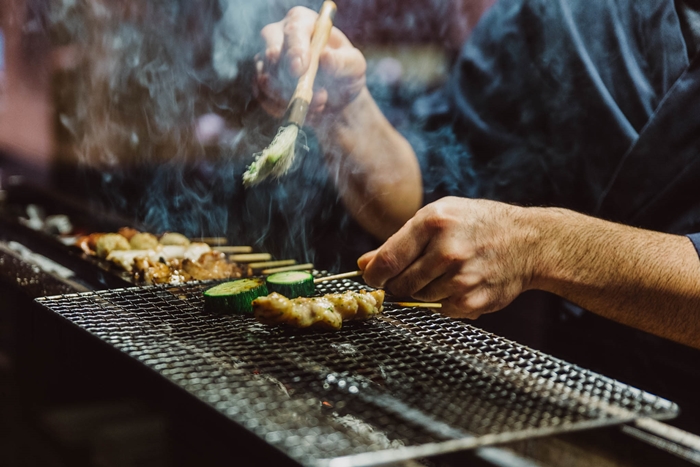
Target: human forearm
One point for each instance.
(648, 280)
(374, 167)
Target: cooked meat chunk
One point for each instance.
(110, 242)
(125, 258)
(127, 232)
(195, 250)
(88, 243)
(143, 241)
(327, 312)
(159, 272)
(174, 238)
(211, 265)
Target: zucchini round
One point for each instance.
(291, 284)
(234, 297)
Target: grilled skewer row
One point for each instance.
(172, 259)
(327, 312)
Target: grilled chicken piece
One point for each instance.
(88, 243)
(158, 272)
(154, 269)
(174, 238)
(143, 241)
(127, 232)
(327, 312)
(110, 242)
(211, 265)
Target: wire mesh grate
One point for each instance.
(408, 384)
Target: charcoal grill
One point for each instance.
(407, 385)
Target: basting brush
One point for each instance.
(276, 159)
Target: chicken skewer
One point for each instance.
(326, 312)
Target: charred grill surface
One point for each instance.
(408, 384)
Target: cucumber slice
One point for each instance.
(291, 284)
(234, 297)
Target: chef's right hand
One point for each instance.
(341, 74)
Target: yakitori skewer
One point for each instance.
(338, 276)
(416, 304)
(212, 241)
(295, 267)
(272, 264)
(250, 257)
(234, 249)
(345, 275)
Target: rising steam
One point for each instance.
(159, 111)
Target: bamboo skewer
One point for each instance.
(296, 267)
(251, 257)
(212, 241)
(337, 276)
(272, 264)
(359, 273)
(416, 304)
(234, 249)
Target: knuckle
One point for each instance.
(297, 12)
(468, 281)
(290, 28)
(451, 256)
(267, 32)
(434, 221)
(478, 302)
(434, 218)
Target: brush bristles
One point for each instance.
(276, 159)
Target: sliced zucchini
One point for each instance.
(291, 284)
(234, 297)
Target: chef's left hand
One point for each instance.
(474, 256)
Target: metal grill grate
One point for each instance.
(409, 384)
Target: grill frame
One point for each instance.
(159, 343)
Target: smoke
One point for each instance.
(160, 112)
(160, 115)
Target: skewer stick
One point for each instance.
(338, 276)
(212, 241)
(272, 264)
(234, 249)
(251, 257)
(296, 267)
(416, 304)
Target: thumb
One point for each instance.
(364, 260)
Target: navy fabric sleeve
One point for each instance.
(695, 238)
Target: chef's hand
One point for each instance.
(474, 256)
(341, 74)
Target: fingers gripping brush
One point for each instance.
(276, 159)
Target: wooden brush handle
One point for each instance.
(322, 29)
